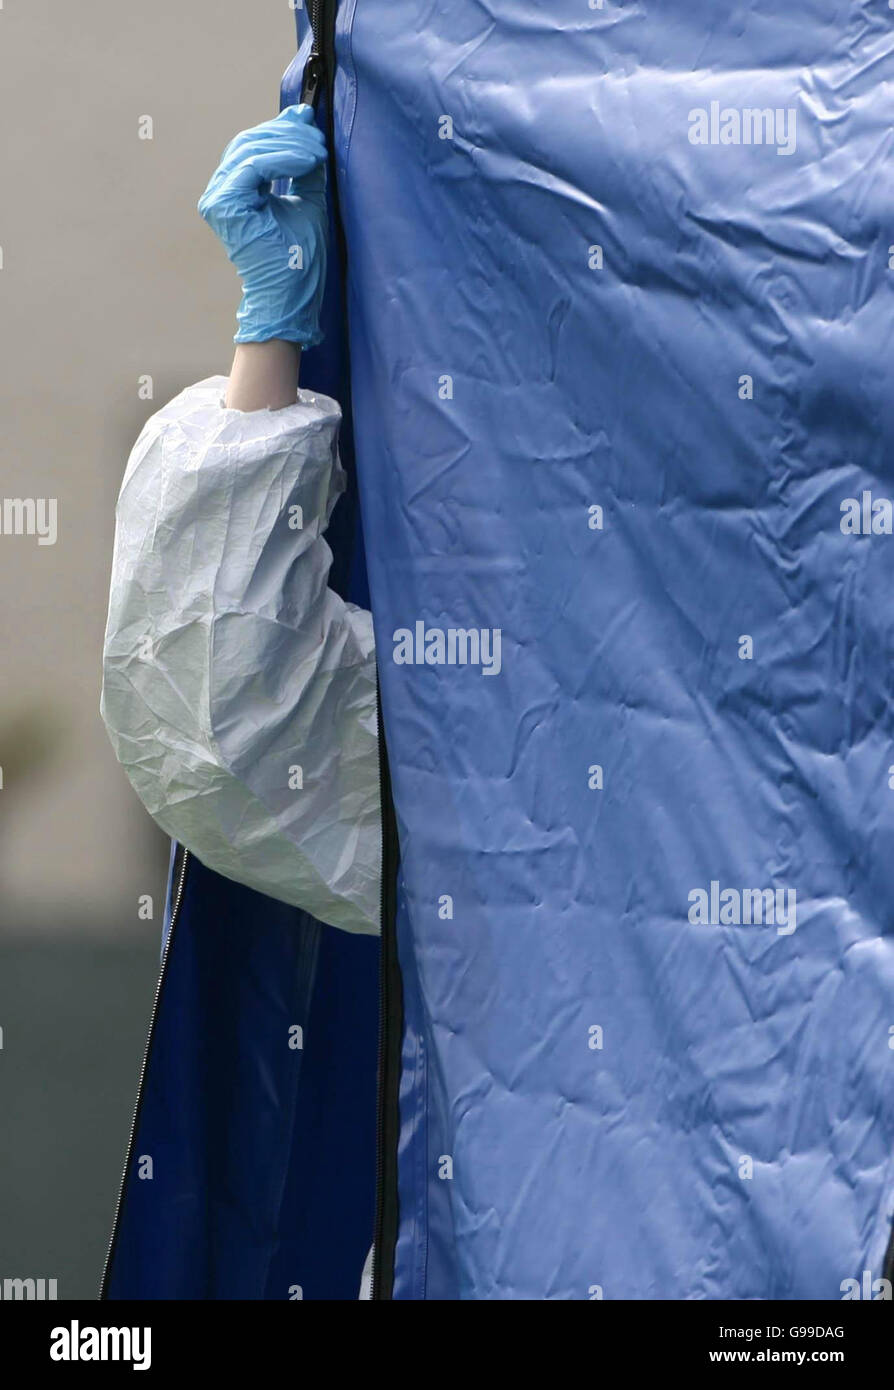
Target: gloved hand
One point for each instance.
(277, 244)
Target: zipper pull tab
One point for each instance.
(310, 82)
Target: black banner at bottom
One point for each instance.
(266, 1338)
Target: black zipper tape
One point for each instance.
(322, 16)
(390, 1043)
(888, 1266)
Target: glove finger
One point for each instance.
(289, 130)
(300, 111)
(290, 146)
(248, 183)
(263, 167)
(271, 160)
(294, 135)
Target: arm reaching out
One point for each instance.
(239, 690)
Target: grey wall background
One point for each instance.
(108, 275)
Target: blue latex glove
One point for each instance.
(277, 244)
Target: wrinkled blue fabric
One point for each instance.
(561, 300)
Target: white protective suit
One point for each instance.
(239, 691)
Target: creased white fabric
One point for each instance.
(239, 691)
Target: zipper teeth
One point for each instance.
(313, 14)
(175, 913)
(314, 67)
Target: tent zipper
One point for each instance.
(179, 880)
(314, 68)
(320, 69)
(390, 1042)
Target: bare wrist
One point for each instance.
(264, 376)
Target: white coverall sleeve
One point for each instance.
(239, 691)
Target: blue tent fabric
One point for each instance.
(619, 296)
(732, 1135)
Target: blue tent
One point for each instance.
(612, 320)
